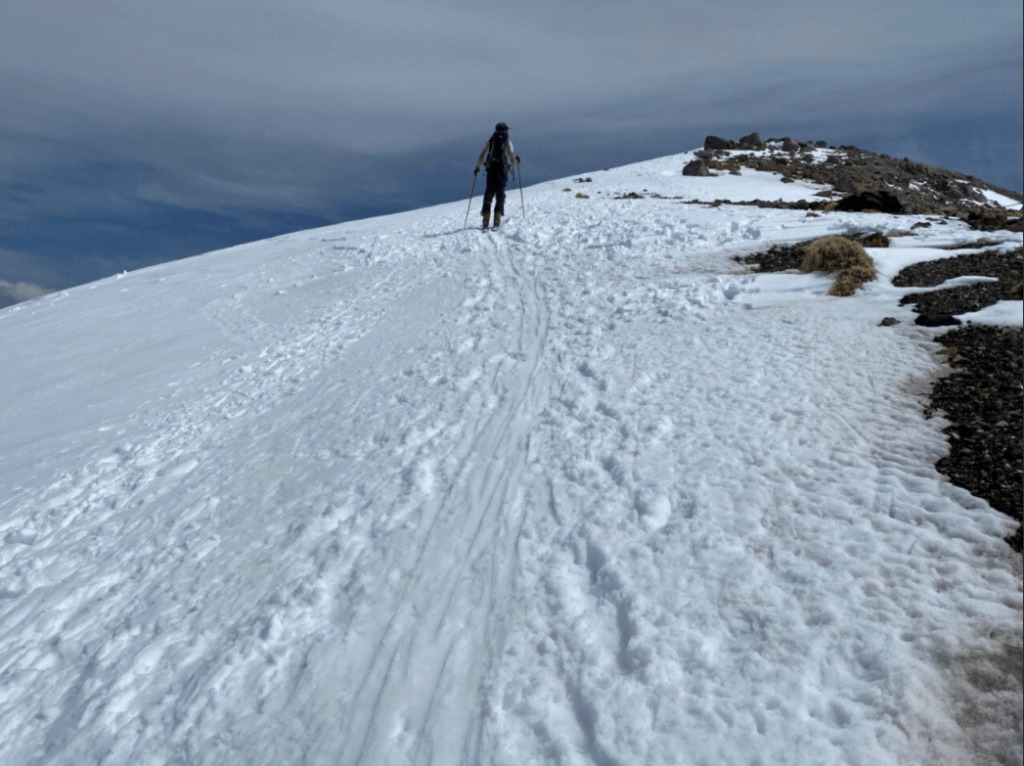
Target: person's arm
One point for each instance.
(483, 153)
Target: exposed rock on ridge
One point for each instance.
(920, 188)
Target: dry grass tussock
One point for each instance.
(840, 254)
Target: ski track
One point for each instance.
(556, 523)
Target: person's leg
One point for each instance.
(500, 181)
(489, 193)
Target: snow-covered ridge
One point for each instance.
(576, 491)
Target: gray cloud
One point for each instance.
(362, 74)
(19, 292)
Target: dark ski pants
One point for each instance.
(496, 181)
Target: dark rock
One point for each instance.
(880, 201)
(889, 322)
(789, 145)
(696, 168)
(937, 320)
(715, 143)
(752, 141)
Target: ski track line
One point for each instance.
(480, 527)
(466, 499)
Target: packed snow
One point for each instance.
(1001, 200)
(577, 491)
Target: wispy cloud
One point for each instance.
(19, 292)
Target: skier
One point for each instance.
(497, 157)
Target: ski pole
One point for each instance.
(519, 175)
(470, 205)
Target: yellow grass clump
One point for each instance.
(840, 254)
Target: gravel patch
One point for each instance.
(938, 308)
(778, 258)
(982, 399)
(1006, 267)
(984, 395)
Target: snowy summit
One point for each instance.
(581, 490)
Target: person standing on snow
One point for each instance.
(497, 157)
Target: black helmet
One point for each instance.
(501, 127)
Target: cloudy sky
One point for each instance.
(132, 132)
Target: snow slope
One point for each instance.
(578, 491)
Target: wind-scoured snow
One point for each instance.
(576, 491)
(1001, 200)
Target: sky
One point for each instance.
(134, 133)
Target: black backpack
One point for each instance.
(496, 154)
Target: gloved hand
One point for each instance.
(476, 170)
(517, 159)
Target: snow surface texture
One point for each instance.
(578, 491)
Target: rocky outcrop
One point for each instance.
(714, 143)
(854, 172)
(751, 141)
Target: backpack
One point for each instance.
(496, 153)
